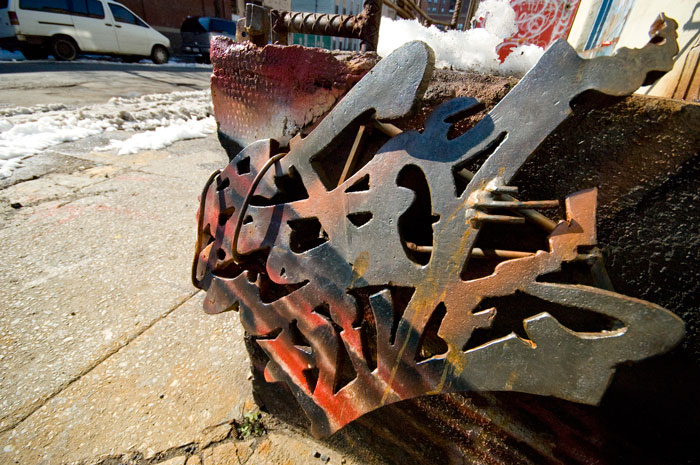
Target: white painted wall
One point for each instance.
(583, 23)
(636, 34)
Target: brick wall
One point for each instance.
(168, 15)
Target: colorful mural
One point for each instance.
(540, 22)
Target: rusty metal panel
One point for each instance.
(357, 309)
(275, 91)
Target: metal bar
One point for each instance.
(405, 14)
(246, 202)
(199, 242)
(363, 26)
(532, 215)
(418, 10)
(387, 128)
(455, 14)
(471, 9)
(352, 158)
(481, 216)
(516, 204)
(476, 251)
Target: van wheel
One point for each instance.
(64, 49)
(160, 55)
(35, 52)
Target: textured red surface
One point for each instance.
(274, 91)
(540, 22)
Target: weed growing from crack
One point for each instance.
(251, 425)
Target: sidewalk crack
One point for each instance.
(43, 401)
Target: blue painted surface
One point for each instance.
(608, 26)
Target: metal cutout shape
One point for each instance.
(354, 315)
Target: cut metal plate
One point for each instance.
(364, 293)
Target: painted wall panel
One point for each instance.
(540, 22)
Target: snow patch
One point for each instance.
(498, 17)
(163, 136)
(167, 118)
(470, 50)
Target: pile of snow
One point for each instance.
(161, 118)
(470, 50)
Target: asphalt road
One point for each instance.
(37, 66)
(85, 82)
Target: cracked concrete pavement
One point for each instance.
(105, 353)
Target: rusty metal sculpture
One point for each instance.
(361, 290)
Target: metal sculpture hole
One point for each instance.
(473, 163)
(290, 188)
(270, 291)
(225, 215)
(307, 234)
(222, 184)
(243, 166)
(511, 310)
(345, 372)
(463, 121)
(325, 163)
(360, 185)
(360, 218)
(430, 343)
(496, 241)
(416, 224)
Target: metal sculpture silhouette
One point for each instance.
(362, 292)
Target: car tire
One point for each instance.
(35, 52)
(64, 48)
(160, 55)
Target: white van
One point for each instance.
(65, 28)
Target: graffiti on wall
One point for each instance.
(540, 22)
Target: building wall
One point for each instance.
(442, 10)
(171, 13)
(239, 5)
(166, 16)
(583, 23)
(633, 31)
(636, 34)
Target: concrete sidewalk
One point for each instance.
(105, 353)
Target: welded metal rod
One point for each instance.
(513, 204)
(532, 215)
(363, 26)
(455, 14)
(476, 251)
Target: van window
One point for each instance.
(123, 15)
(3, 4)
(55, 6)
(220, 25)
(91, 8)
(199, 25)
